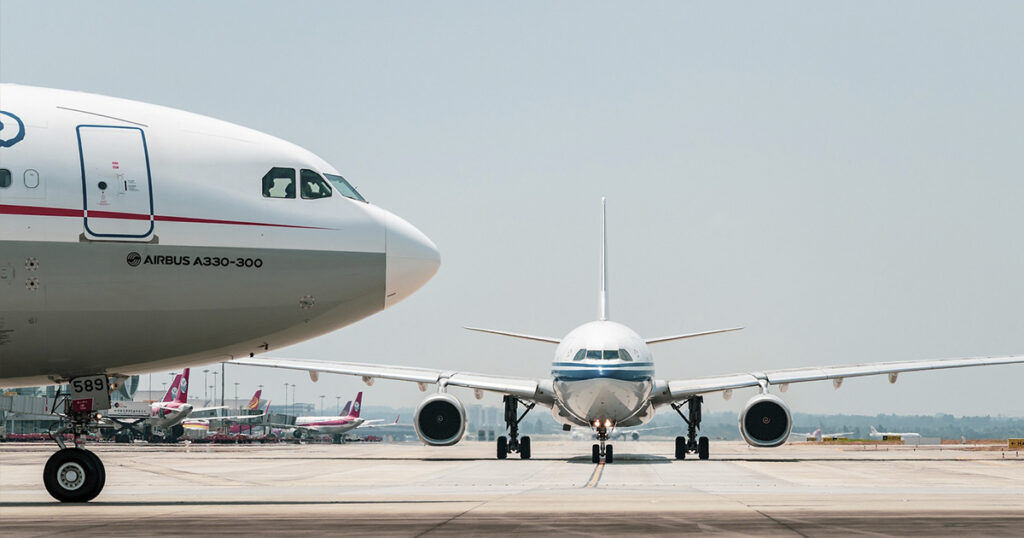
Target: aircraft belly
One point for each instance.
(78, 308)
(585, 400)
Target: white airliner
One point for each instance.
(135, 237)
(875, 434)
(602, 377)
(817, 436)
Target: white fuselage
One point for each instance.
(329, 425)
(603, 373)
(135, 237)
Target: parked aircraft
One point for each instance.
(817, 436)
(337, 426)
(138, 238)
(602, 377)
(875, 434)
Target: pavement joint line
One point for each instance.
(449, 520)
(780, 523)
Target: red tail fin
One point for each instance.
(172, 392)
(182, 395)
(254, 403)
(357, 405)
(344, 411)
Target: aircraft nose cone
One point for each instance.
(412, 259)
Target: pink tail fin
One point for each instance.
(344, 411)
(357, 405)
(182, 396)
(172, 391)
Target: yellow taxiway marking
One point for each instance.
(596, 477)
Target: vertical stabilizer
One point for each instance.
(356, 405)
(254, 403)
(182, 395)
(604, 265)
(344, 410)
(172, 392)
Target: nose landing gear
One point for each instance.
(691, 443)
(513, 443)
(74, 474)
(601, 449)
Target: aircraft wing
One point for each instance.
(527, 389)
(684, 388)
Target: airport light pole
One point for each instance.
(206, 384)
(236, 392)
(215, 385)
(293, 394)
(223, 378)
(286, 395)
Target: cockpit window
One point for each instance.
(313, 186)
(279, 183)
(611, 355)
(625, 356)
(594, 354)
(344, 188)
(579, 355)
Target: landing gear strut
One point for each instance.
(601, 449)
(691, 443)
(73, 474)
(513, 443)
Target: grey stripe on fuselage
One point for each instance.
(72, 307)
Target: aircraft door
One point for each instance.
(116, 182)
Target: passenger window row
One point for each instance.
(279, 182)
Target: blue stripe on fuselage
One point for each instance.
(568, 371)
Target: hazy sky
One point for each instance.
(843, 179)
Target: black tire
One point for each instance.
(703, 450)
(595, 454)
(680, 448)
(74, 475)
(177, 431)
(524, 448)
(609, 456)
(502, 447)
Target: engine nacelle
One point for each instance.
(440, 420)
(765, 421)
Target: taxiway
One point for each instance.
(411, 490)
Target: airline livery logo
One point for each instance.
(134, 259)
(174, 393)
(12, 130)
(184, 385)
(355, 407)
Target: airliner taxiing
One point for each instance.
(135, 238)
(602, 378)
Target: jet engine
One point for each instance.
(440, 420)
(765, 421)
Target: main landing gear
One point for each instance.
(513, 443)
(601, 449)
(74, 474)
(690, 443)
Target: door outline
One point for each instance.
(85, 197)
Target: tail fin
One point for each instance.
(817, 435)
(356, 405)
(254, 403)
(603, 299)
(873, 430)
(344, 410)
(172, 391)
(183, 388)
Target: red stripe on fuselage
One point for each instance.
(61, 212)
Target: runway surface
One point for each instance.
(411, 490)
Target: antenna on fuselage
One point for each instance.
(604, 265)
